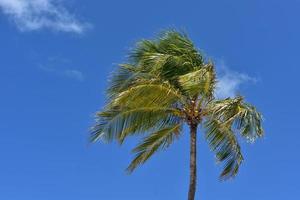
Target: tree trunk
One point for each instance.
(193, 161)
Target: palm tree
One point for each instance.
(167, 83)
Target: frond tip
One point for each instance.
(240, 115)
(116, 123)
(223, 142)
(160, 139)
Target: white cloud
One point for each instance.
(30, 15)
(62, 67)
(229, 81)
(75, 74)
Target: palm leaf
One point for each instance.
(123, 78)
(200, 82)
(249, 122)
(147, 94)
(160, 139)
(119, 123)
(242, 116)
(223, 142)
(172, 55)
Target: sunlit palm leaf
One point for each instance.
(173, 54)
(200, 82)
(244, 117)
(249, 122)
(160, 139)
(223, 142)
(119, 123)
(125, 77)
(147, 94)
(179, 44)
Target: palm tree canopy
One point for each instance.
(166, 83)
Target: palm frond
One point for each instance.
(171, 55)
(242, 116)
(160, 139)
(117, 123)
(179, 44)
(149, 93)
(223, 142)
(125, 76)
(200, 82)
(249, 122)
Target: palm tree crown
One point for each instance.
(167, 83)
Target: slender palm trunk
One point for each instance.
(193, 161)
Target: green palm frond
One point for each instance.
(178, 43)
(225, 109)
(200, 82)
(249, 121)
(243, 116)
(119, 123)
(149, 93)
(160, 139)
(223, 142)
(165, 66)
(172, 55)
(123, 78)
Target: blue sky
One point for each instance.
(55, 59)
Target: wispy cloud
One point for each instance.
(61, 67)
(31, 15)
(229, 81)
(75, 74)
